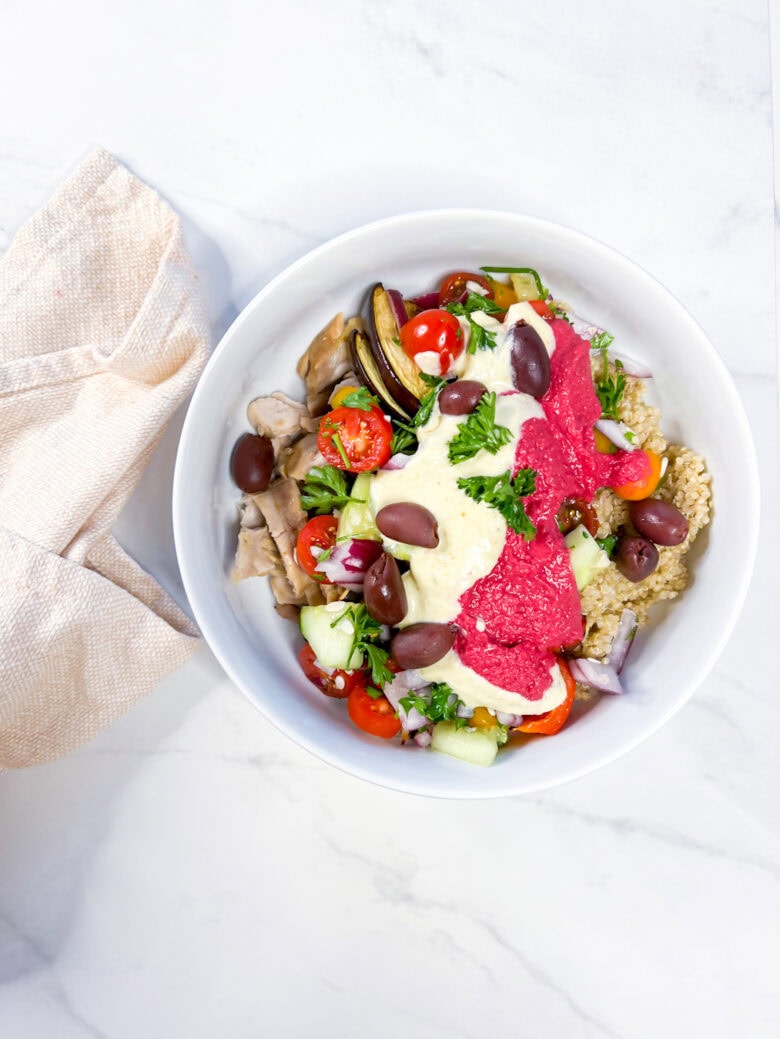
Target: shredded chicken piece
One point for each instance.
(281, 508)
(256, 554)
(297, 460)
(284, 593)
(278, 417)
(325, 361)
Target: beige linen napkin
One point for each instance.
(101, 337)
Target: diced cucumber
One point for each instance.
(330, 632)
(524, 286)
(587, 556)
(397, 549)
(357, 517)
(475, 746)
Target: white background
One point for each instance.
(192, 872)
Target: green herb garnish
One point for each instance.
(608, 544)
(541, 288)
(367, 634)
(479, 432)
(325, 489)
(505, 494)
(405, 433)
(609, 388)
(480, 338)
(360, 399)
(559, 310)
(439, 704)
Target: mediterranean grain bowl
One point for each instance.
(469, 513)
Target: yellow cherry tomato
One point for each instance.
(482, 719)
(636, 490)
(503, 295)
(341, 396)
(603, 444)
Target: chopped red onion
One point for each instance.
(622, 640)
(596, 674)
(630, 366)
(422, 739)
(618, 433)
(428, 301)
(348, 562)
(396, 461)
(464, 712)
(404, 682)
(509, 720)
(584, 329)
(399, 309)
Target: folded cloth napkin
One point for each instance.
(102, 335)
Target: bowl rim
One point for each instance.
(360, 769)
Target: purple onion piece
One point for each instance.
(404, 682)
(630, 365)
(423, 739)
(595, 674)
(617, 433)
(397, 462)
(428, 301)
(510, 720)
(623, 640)
(399, 309)
(348, 562)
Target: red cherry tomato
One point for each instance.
(376, 717)
(319, 532)
(355, 440)
(435, 332)
(455, 285)
(574, 511)
(542, 308)
(338, 683)
(553, 721)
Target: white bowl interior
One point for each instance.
(700, 408)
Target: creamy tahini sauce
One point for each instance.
(471, 534)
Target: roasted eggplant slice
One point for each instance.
(367, 371)
(399, 373)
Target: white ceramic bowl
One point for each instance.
(258, 354)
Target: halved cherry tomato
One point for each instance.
(319, 532)
(542, 308)
(553, 721)
(455, 285)
(604, 445)
(355, 440)
(433, 332)
(574, 511)
(503, 295)
(636, 490)
(338, 683)
(376, 717)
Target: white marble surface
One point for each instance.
(192, 872)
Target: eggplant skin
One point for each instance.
(398, 372)
(367, 371)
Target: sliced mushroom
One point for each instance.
(256, 554)
(297, 460)
(281, 509)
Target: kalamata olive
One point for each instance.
(636, 558)
(384, 592)
(413, 524)
(252, 462)
(422, 644)
(461, 397)
(530, 360)
(576, 511)
(659, 521)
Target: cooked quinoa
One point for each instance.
(687, 486)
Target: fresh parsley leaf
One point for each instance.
(404, 438)
(479, 432)
(608, 544)
(438, 703)
(404, 433)
(324, 489)
(541, 288)
(361, 399)
(367, 634)
(505, 494)
(426, 404)
(558, 310)
(480, 338)
(609, 388)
